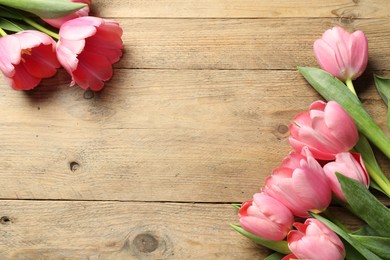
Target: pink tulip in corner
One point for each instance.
(342, 54)
(314, 240)
(26, 58)
(87, 48)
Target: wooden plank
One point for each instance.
(242, 8)
(117, 230)
(271, 44)
(47, 230)
(153, 135)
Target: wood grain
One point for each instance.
(242, 8)
(32, 230)
(269, 44)
(154, 135)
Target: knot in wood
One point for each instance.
(282, 129)
(74, 166)
(5, 220)
(145, 243)
(89, 94)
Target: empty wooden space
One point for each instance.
(194, 119)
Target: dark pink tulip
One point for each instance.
(266, 217)
(342, 54)
(26, 58)
(326, 129)
(79, 13)
(300, 184)
(350, 165)
(314, 240)
(87, 48)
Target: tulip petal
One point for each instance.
(359, 53)
(79, 28)
(22, 80)
(43, 63)
(341, 125)
(10, 54)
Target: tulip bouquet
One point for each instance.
(332, 161)
(40, 36)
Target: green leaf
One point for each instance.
(9, 26)
(365, 230)
(278, 246)
(364, 148)
(10, 13)
(332, 88)
(45, 8)
(236, 206)
(378, 245)
(275, 256)
(383, 86)
(365, 205)
(351, 253)
(355, 243)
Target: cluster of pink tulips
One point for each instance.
(85, 46)
(301, 184)
(322, 139)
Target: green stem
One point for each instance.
(382, 182)
(332, 218)
(350, 86)
(2, 32)
(41, 28)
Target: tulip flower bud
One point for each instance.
(342, 54)
(314, 240)
(326, 129)
(300, 184)
(350, 165)
(266, 217)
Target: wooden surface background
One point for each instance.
(195, 118)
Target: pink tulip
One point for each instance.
(79, 13)
(26, 58)
(314, 240)
(300, 184)
(266, 217)
(87, 49)
(326, 129)
(342, 54)
(350, 165)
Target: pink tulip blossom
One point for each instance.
(342, 54)
(314, 240)
(326, 129)
(87, 48)
(266, 217)
(57, 22)
(300, 184)
(350, 165)
(26, 58)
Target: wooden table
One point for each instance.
(195, 118)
